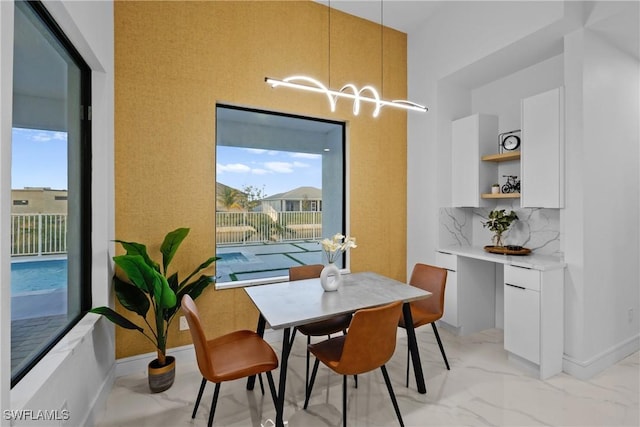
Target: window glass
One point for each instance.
(50, 172)
(279, 191)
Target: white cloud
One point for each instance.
(262, 151)
(233, 168)
(279, 167)
(300, 165)
(49, 136)
(258, 171)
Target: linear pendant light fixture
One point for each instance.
(349, 90)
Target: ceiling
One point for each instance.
(402, 15)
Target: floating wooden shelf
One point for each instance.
(504, 157)
(501, 196)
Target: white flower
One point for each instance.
(337, 245)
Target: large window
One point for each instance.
(50, 174)
(280, 183)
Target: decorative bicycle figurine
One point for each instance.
(512, 185)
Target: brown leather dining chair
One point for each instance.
(229, 357)
(368, 345)
(323, 327)
(428, 310)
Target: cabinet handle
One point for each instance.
(515, 286)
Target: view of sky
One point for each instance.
(39, 159)
(277, 171)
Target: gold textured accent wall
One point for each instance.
(175, 60)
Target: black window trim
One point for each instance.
(85, 186)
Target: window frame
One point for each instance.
(344, 208)
(85, 175)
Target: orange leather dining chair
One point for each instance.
(428, 310)
(368, 345)
(229, 357)
(323, 327)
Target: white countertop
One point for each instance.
(533, 261)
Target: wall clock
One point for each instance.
(509, 141)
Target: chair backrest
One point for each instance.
(302, 272)
(198, 336)
(431, 279)
(371, 339)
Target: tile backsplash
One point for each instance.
(536, 228)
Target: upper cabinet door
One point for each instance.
(542, 159)
(471, 138)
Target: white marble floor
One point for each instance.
(483, 388)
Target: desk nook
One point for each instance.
(523, 295)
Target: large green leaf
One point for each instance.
(202, 266)
(193, 290)
(134, 248)
(173, 281)
(138, 271)
(170, 245)
(131, 297)
(116, 318)
(164, 295)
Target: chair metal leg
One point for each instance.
(310, 386)
(408, 362)
(392, 394)
(195, 408)
(344, 401)
(214, 402)
(261, 384)
(272, 387)
(444, 356)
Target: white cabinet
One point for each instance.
(533, 317)
(542, 164)
(471, 138)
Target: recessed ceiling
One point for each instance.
(402, 15)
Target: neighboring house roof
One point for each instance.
(300, 193)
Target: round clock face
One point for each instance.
(511, 143)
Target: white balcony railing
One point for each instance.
(254, 227)
(38, 234)
(45, 234)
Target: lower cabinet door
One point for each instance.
(522, 322)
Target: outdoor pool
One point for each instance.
(40, 276)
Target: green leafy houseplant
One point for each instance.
(499, 221)
(148, 287)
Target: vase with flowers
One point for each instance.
(333, 248)
(499, 221)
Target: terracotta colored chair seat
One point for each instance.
(427, 311)
(368, 345)
(230, 357)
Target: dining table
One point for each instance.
(286, 305)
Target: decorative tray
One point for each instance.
(508, 250)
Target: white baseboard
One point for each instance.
(138, 363)
(588, 368)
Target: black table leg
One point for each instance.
(413, 348)
(251, 381)
(287, 343)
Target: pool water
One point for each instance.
(232, 258)
(38, 276)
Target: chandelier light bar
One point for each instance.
(348, 91)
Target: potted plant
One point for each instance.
(148, 287)
(499, 221)
(495, 189)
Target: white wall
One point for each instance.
(89, 347)
(462, 45)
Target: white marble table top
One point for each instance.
(289, 304)
(533, 260)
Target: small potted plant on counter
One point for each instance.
(495, 189)
(499, 221)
